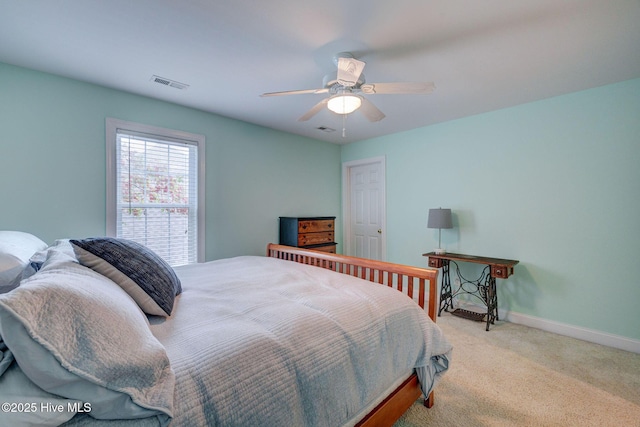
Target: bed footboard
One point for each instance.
(413, 280)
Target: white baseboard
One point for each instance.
(598, 337)
(578, 332)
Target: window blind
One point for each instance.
(157, 194)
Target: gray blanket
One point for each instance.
(257, 341)
(265, 342)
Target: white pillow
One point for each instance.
(76, 334)
(61, 248)
(16, 247)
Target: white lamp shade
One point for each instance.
(344, 104)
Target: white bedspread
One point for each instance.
(257, 341)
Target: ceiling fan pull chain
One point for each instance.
(344, 125)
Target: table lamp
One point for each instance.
(439, 218)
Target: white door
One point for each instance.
(364, 208)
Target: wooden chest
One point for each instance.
(309, 232)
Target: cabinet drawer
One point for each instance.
(501, 271)
(312, 226)
(305, 239)
(435, 262)
(328, 248)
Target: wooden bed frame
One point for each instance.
(412, 280)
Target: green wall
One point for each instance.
(52, 164)
(554, 184)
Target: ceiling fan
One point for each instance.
(346, 86)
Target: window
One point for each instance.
(155, 189)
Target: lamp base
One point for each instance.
(440, 251)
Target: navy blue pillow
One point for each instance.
(144, 275)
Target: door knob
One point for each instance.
(379, 231)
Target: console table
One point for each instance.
(484, 287)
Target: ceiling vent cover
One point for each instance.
(325, 129)
(169, 82)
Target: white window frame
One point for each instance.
(112, 127)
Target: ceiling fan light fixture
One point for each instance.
(344, 104)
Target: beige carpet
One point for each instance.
(519, 376)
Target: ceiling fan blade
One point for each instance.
(315, 110)
(370, 111)
(296, 92)
(349, 70)
(398, 88)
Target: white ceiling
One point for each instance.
(482, 55)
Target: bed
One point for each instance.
(297, 337)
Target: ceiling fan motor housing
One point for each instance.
(330, 81)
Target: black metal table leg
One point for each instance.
(446, 295)
(483, 288)
(491, 299)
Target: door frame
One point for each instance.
(346, 202)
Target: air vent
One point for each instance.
(325, 129)
(168, 82)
